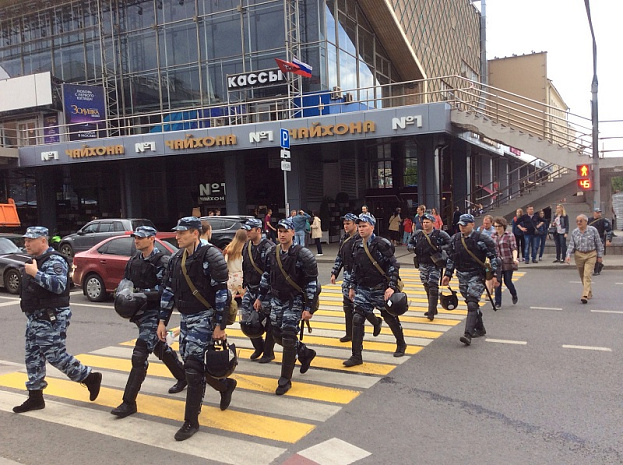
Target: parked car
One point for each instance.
(12, 259)
(224, 228)
(17, 239)
(100, 269)
(96, 231)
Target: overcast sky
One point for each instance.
(560, 28)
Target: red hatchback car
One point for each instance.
(100, 269)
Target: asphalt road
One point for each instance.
(542, 387)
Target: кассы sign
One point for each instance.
(255, 79)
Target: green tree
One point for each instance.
(617, 184)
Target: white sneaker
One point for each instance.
(319, 255)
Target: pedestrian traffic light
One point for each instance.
(585, 176)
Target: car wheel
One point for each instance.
(94, 288)
(66, 250)
(12, 281)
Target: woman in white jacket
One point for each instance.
(316, 232)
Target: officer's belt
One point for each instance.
(382, 285)
(284, 296)
(45, 314)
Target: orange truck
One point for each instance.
(8, 215)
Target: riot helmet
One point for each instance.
(127, 302)
(449, 301)
(253, 326)
(220, 359)
(397, 304)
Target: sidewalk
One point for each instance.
(405, 258)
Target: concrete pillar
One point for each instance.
(46, 198)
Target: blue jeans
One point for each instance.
(507, 276)
(299, 238)
(540, 244)
(561, 246)
(531, 244)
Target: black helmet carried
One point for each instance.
(450, 301)
(397, 304)
(220, 359)
(127, 302)
(253, 325)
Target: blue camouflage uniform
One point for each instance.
(46, 339)
(344, 260)
(207, 270)
(287, 303)
(370, 286)
(254, 258)
(471, 274)
(429, 273)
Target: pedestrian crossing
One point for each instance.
(258, 426)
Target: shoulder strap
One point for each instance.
(257, 268)
(435, 248)
(192, 287)
(286, 275)
(480, 262)
(374, 262)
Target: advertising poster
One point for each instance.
(50, 129)
(85, 111)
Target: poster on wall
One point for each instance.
(50, 129)
(85, 111)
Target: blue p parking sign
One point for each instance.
(285, 139)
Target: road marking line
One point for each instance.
(546, 308)
(334, 451)
(143, 431)
(607, 311)
(507, 341)
(602, 349)
(7, 304)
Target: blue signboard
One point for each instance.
(285, 139)
(85, 111)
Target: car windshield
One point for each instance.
(7, 246)
(137, 223)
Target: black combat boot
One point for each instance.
(194, 397)
(479, 330)
(394, 324)
(357, 343)
(93, 382)
(170, 359)
(128, 406)
(470, 322)
(376, 322)
(347, 305)
(269, 346)
(287, 365)
(433, 299)
(258, 345)
(34, 402)
(306, 355)
(225, 387)
(427, 289)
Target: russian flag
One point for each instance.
(295, 67)
(304, 68)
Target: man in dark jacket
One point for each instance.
(603, 226)
(528, 224)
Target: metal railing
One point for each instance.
(502, 107)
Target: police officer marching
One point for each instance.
(45, 301)
(291, 277)
(196, 282)
(428, 243)
(372, 282)
(145, 271)
(254, 257)
(468, 252)
(344, 260)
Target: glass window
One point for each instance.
(265, 28)
(106, 227)
(90, 228)
(118, 226)
(118, 246)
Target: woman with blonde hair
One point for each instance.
(233, 257)
(561, 223)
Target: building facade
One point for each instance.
(193, 102)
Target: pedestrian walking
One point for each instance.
(518, 233)
(438, 221)
(469, 251)
(254, 259)
(604, 228)
(145, 271)
(587, 249)
(291, 278)
(45, 301)
(374, 279)
(300, 221)
(269, 229)
(407, 227)
(344, 260)
(196, 283)
(394, 227)
(507, 255)
(316, 232)
(430, 248)
(419, 215)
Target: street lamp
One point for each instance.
(594, 116)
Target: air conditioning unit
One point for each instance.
(336, 93)
(348, 97)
